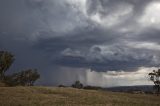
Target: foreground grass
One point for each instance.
(48, 96)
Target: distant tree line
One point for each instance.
(77, 84)
(23, 78)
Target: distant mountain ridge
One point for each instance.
(144, 88)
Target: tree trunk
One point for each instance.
(2, 76)
(158, 90)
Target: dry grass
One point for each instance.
(48, 96)
(2, 84)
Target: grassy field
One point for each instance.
(52, 96)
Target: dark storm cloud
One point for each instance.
(100, 35)
(149, 35)
(80, 51)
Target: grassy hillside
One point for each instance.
(48, 96)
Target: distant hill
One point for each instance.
(144, 88)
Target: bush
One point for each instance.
(23, 78)
(78, 85)
(92, 87)
(61, 86)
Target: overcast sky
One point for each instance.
(99, 42)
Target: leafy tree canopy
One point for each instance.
(6, 60)
(155, 77)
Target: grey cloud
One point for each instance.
(50, 34)
(103, 6)
(148, 35)
(118, 56)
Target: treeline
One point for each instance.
(22, 78)
(79, 85)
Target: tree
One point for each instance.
(155, 77)
(6, 60)
(23, 78)
(30, 76)
(77, 84)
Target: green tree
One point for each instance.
(6, 60)
(23, 78)
(155, 77)
(30, 76)
(78, 85)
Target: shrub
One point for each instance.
(78, 85)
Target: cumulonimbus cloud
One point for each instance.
(101, 35)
